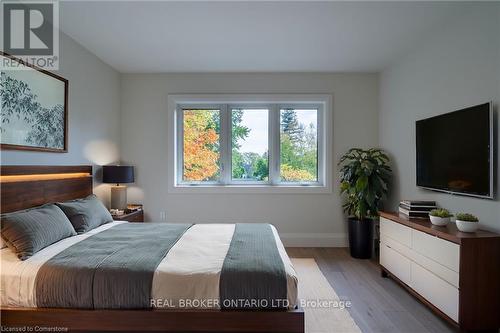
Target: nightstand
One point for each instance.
(137, 216)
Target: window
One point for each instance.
(253, 144)
(250, 144)
(299, 145)
(201, 145)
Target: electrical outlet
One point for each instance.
(163, 216)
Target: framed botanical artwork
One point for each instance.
(33, 108)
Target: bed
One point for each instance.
(187, 293)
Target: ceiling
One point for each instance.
(138, 36)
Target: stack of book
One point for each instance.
(416, 208)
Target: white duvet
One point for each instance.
(188, 276)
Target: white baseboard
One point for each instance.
(314, 239)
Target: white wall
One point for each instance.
(302, 219)
(93, 111)
(458, 66)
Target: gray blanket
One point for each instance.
(110, 270)
(253, 274)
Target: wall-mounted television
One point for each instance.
(455, 152)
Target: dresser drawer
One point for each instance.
(436, 268)
(395, 262)
(396, 231)
(437, 291)
(444, 252)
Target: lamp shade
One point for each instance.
(117, 174)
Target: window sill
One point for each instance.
(249, 189)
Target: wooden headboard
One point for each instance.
(26, 186)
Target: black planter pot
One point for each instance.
(360, 238)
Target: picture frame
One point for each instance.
(34, 108)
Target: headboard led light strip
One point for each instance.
(39, 177)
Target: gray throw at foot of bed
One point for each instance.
(253, 274)
(110, 270)
(114, 269)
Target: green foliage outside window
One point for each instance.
(298, 145)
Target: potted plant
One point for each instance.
(364, 177)
(467, 222)
(440, 217)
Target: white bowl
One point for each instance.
(466, 226)
(440, 221)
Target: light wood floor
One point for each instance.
(378, 304)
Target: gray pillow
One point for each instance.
(85, 214)
(28, 231)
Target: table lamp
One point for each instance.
(118, 174)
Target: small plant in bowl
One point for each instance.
(467, 222)
(440, 217)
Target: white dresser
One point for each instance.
(446, 269)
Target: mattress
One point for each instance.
(187, 277)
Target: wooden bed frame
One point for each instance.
(29, 186)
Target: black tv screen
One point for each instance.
(454, 151)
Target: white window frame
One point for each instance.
(224, 103)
